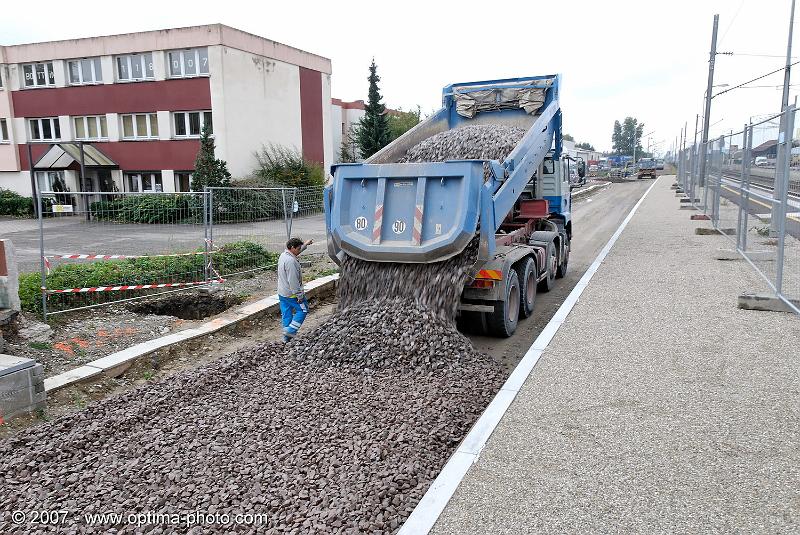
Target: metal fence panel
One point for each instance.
(148, 243)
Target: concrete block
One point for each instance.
(689, 200)
(699, 217)
(705, 231)
(765, 302)
(11, 363)
(687, 207)
(21, 386)
(9, 277)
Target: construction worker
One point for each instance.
(294, 305)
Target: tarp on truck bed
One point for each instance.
(472, 101)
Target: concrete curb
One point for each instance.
(584, 192)
(116, 363)
(433, 502)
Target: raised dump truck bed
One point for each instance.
(384, 211)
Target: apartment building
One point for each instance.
(136, 104)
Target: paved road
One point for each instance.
(73, 235)
(659, 407)
(595, 219)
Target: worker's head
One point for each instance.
(294, 245)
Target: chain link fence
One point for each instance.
(98, 248)
(751, 194)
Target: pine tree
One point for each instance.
(372, 132)
(209, 171)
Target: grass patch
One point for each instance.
(40, 345)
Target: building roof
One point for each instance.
(190, 36)
(355, 105)
(766, 145)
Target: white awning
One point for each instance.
(63, 155)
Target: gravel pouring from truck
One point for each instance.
(519, 205)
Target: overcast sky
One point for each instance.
(646, 59)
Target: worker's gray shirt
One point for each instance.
(290, 278)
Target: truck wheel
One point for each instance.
(551, 265)
(561, 272)
(503, 321)
(527, 274)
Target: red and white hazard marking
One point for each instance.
(121, 256)
(130, 287)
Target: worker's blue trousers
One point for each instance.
(293, 313)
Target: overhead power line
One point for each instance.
(754, 79)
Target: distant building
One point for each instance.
(138, 102)
(344, 115)
(768, 149)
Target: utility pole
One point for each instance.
(707, 118)
(781, 182)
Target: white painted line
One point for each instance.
(430, 507)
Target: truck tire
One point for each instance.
(551, 265)
(561, 272)
(503, 321)
(527, 275)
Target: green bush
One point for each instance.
(150, 209)
(14, 204)
(231, 258)
(282, 166)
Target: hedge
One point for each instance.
(231, 258)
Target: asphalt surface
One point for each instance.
(75, 235)
(595, 219)
(659, 406)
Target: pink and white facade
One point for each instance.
(142, 98)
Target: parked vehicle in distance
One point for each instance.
(660, 164)
(647, 168)
(760, 161)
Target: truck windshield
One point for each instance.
(548, 167)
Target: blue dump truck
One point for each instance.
(383, 211)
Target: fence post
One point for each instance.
(205, 233)
(42, 267)
(285, 215)
(210, 242)
(785, 139)
(704, 168)
(718, 181)
(740, 230)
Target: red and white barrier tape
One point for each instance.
(122, 256)
(130, 287)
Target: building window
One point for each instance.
(140, 126)
(38, 74)
(92, 127)
(191, 123)
(187, 63)
(183, 180)
(51, 181)
(2, 69)
(135, 67)
(144, 182)
(3, 131)
(85, 71)
(46, 129)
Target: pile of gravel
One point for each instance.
(474, 142)
(436, 286)
(312, 446)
